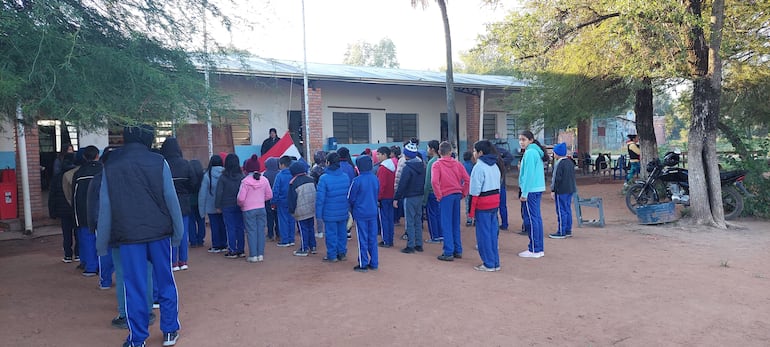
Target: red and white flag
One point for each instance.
(284, 146)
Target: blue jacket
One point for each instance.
(412, 182)
(532, 174)
(331, 202)
(363, 191)
(281, 188)
(348, 169)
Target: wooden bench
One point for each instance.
(595, 202)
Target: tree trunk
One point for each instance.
(705, 64)
(645, 128)
(450, 84)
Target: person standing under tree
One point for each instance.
(562, 187)
(532, 184)
(139, 213)
(634, 156)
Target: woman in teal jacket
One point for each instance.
(532, 185)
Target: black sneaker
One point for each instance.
(458, 255)
(418, 248)
(407, 250)
(370, 267)
(329, 260)
(119, 322)
(557, 236)
(342, 257)
(128, 344)
(66, 260)
(444, 257)
(404, 237)
(231, 255)
(360, 269)
(89, 274)
(384, 245)
(169, 339)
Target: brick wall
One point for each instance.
(472, 104)
(315, 116)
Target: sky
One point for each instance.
(332, 25)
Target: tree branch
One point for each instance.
(566, 33)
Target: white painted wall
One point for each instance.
(98, 138)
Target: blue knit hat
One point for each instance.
(560, 149)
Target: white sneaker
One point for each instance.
(260, 258)
(528, 254)
(319, 235)
(184, 267)
(175, 268)
(253, 259)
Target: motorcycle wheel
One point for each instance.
(732, 202)
(635, 197)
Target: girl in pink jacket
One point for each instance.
(253, 193)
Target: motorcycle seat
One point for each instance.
(731, 175)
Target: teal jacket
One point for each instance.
(532, 173)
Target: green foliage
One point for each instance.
(96, 62)
(382, 54)
(758, 204)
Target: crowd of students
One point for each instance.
(246, 204)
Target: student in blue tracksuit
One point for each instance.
(139, 213)
(87, 236)
(331, 205)
(532, 184)
(363, 206)
(485, 200)
(562, 187)
(286, 222)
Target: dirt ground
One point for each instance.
(622, 285)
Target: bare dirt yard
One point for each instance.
(621, 285)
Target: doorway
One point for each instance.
(296, 128)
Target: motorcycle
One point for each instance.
(667, 182)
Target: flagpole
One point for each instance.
(306, 138)
(209, 132)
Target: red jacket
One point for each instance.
(386, 174)
(448, 176)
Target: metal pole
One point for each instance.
(305, 82)
(481, 116)
(209, 133)
(24, 170)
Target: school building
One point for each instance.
(352, 106)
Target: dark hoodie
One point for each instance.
(363, 192)
(185, 179)
(412, 182)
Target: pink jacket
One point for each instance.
(253, 193)
(448, 176)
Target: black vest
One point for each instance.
(134, 177)
(80, 182)
(631, 154)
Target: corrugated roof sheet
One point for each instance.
(256, 66)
